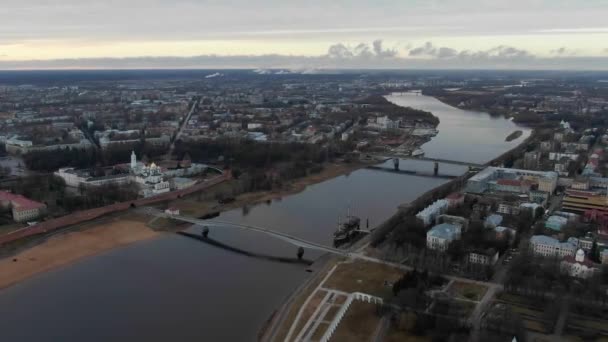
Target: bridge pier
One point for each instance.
(396, 164)
(205, 231)
(300, 253)
(436, 169)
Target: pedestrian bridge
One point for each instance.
(229, 225)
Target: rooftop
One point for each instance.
(444, 231)
(19, 202)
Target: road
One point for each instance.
(182, 127)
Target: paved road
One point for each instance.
(181, 128)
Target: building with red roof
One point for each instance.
(23, 208)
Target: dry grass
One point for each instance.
(293, 309)
(321, 329)
(310, 308)
(363, 276)
(331, 314)
(359, 323)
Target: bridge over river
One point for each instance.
(387, 157)
(229, 225)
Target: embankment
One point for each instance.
(56, 224)
(411, 208)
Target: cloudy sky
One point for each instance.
(550, 34)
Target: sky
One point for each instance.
(304, 34)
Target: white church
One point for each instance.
(578, 266)
(150, 178)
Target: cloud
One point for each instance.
(500, 52)
(563, 51)
(380, 52)
(361, 51)
(340, 56)
(425, 50)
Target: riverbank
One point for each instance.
(192, 206)
(281, 319)
(330, 171)
(115, 231)
(67, 248)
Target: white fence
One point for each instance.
(336, 321)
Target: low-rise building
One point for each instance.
(511, 180)
(507, 208)
(556, 223)
(550, 247)
(429, 214)
(441, 235)
(493, 221)
(484, 257)
(22, 208)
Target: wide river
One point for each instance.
(177, 289)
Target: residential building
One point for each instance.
(550, 247)
(556, 223)
(455, 220)
(429, 214)
(441, 235)
(483, 257)
(507, 208)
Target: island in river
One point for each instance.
(514, 135)
(197, 284)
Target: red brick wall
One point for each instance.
(86, 215)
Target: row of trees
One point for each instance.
(249, 154)
(49, 161)
(380, 104)
(414, 311)
(93, 197)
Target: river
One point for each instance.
(174, 288)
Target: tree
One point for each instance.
(594, 253)
(539, 212)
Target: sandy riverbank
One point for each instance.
(111, 232)
(64, 249)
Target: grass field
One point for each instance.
(297, 304)
(359, 323)
(361, 276)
